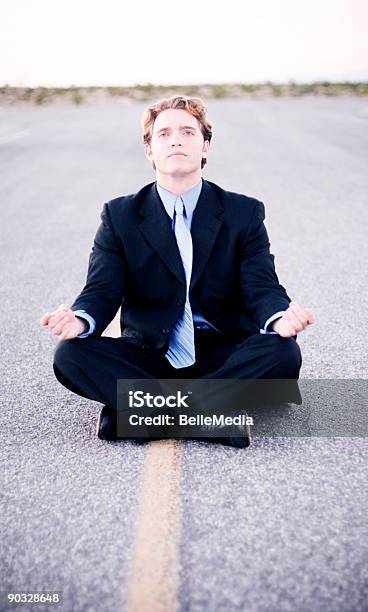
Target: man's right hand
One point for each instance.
(63, 323)
(294, 320)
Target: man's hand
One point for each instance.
(294, 320)
(63, 323)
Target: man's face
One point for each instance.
(177, 144)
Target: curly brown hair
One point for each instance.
(194, 106)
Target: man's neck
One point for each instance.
(178, 184)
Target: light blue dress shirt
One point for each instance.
(190, 199)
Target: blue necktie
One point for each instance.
(181, 353)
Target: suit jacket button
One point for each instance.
(180, 302)
(165, 330)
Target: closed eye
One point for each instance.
(185, 132)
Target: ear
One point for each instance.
(206, 146)
(148, 151)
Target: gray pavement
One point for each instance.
(281, 526)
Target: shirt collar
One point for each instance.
(190, 199)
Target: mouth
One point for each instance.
(177, 154)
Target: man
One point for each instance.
(189, 264)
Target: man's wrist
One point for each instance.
(84, 324)
(89, 322)
(268, 327)
(274, 325)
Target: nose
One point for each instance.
(176, 139)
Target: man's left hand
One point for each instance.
(294, 320)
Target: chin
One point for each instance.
(178, 169)
(180, 172)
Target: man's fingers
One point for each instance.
(306, 315)
(51, 318)
(65, 332)
(59, 327)
(310, 315)
(45, 318)
(59, 315)
(285, 329)
(299, 312)
(69, 332)
(294, 322)
(56, 318)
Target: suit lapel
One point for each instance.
(156, 227)
(205, 228)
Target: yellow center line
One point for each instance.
(154, 580)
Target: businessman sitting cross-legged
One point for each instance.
(189, 265)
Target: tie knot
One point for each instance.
(179, 206)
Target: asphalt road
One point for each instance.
(281, 526)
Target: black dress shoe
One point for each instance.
(106, 427)
(238, 436)
(106, 424)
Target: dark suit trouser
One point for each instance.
(91, 366)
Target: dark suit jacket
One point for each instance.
(135, 263)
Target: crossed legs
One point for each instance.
(91, 366)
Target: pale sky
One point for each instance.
(112, 42)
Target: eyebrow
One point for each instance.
(181, 127)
